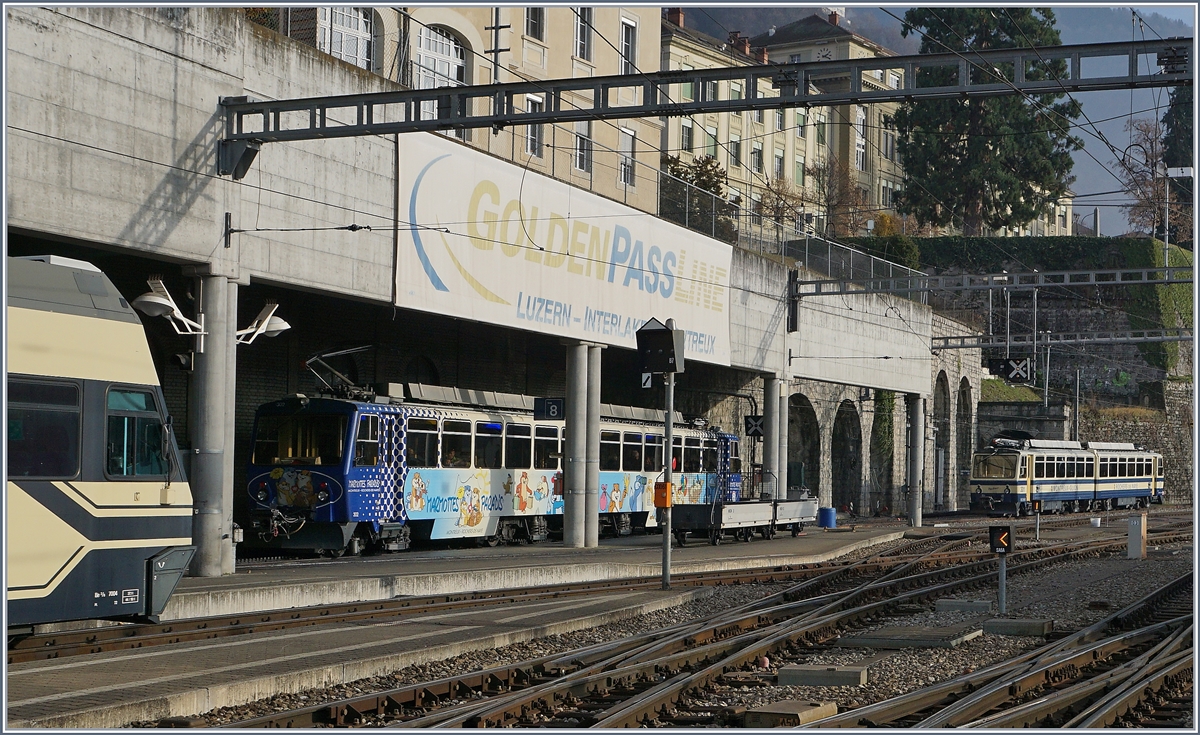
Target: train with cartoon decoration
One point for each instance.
(355, 471)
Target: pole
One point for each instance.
(207, 472)
(1004, 583)
(668, 456)
(1037, 526)
(1166, 219)
(1007, 325)
(591, 501)
(1046, 378)
(989, 312)
(916, 457)
(574, 470)
(1075, 415)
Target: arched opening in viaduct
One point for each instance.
(883, 445)
(941, 442)
(804, 445)
(965, 441)
(846, 456)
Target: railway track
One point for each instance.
(644, 680)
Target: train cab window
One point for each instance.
(518, 447)
(1160, 468)
(735, 459)
(43, 429)
(631, 452)
(134, 438)
(708, 455)
(545, 448)
(366, 444)
(1024, 471)
(676, 453)
(456, 443)
(654, 453)
(421, 443)
(292, 439)
(691, 454)
(1002, 466)
(489, 443)
(610, 451)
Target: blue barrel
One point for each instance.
(827, 517)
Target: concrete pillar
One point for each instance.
(916, 457)
(770, 435)
(785, 392)
(592, 481)
(228, 550)
(207, 478)
(575, 454)
(1137, 537)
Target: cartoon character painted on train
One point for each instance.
(416, 496)
(470, 509)
(524, 495)
(543, 490)
(556, 498)
(635, 496)
(294, 488)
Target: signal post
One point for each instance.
(660, 349)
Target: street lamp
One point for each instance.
(158, 302)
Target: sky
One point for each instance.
(1185, 13)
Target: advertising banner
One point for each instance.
(487, 240)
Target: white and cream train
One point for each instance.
(1065, 476)
(98, 514)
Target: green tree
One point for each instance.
(693, 195)
(992, 162)
(1177, 151)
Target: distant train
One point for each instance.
(99, 522)
(375, 473)
(1066, 476)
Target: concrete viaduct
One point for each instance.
(112, 130)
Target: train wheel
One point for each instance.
(331, 553)
(796, 528)
(491, 541)
(681, 537)
(714, 538)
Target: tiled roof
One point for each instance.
(811, 28)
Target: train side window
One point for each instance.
(1090, 467)
(134, 439)
(366, 444)
(43, 429)
(456, 443)
(545, 448)
(691, 454)
(1039, 467)
(1122, 467)
(1024, 467)
(1160, 468)
(1061, 468)
(1104, 467)
(631, 452)
(518, 447)
(708, 456)
(1070, 467)
(421, 443)
(489, 443)
(610, 451)
(735, 459)
(654, 453)
(676, 453)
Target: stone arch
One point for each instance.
(420, 369)
(804, 444)
(940, 470)
(846, 456)
(964, 440)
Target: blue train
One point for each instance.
(366, 472)
(1066, 476)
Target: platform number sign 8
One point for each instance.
(1000, 538)
(549, 409)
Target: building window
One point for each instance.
(345, 33)
(735, 151)
(583, 146)
(687, 90)
(625, 148)
(711, 91)
(820, 125)
(760, 116)
(756, 208)
(801, 122)
(628, 47)
(685, 136)
(756, 157)
(735, 90)
(535, 23)
(533, 133)
(888, 145)
(583, 33)
(710, 142)
(440, 62)
(893, 80)
(886, 189)
(779, 163)
(796, 59)
(779, 122)
(1062, 218)
(860, 138)
(799, 170)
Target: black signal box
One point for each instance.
(1000, 538)
(660, 350)
(1037, 506)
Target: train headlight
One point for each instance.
(323, 493)
(261, 495)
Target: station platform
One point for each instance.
(118, 688)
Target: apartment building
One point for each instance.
(861, 137)
(429, 47)
(764, 153)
